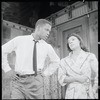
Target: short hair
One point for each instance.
(83, 47)
(42, 22)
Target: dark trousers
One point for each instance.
(30, 87)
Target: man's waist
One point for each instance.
(27, 75)
(24, 72)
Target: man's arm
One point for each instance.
(6, 49)
(54, 62)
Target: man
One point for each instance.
(27, 82)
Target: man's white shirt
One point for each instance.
(23, 47)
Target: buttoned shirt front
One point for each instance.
(23, 47)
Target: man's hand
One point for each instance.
(41, 72)
(11, 74)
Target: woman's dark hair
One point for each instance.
(80, 39)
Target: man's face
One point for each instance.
(45, 31)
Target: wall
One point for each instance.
(9, 33)
(93, 32)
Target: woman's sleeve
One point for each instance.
(94, 67)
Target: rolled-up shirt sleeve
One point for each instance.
(6, 49)
(54, 61)
(94, 67)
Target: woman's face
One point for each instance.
(73, 42)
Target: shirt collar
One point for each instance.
(32, 38)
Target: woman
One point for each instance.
(76, 69)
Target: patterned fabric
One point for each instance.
(52, 88)
(82, 66)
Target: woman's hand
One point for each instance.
(82, 79)
(70, 79)
(95, 90)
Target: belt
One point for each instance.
(26, 75)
